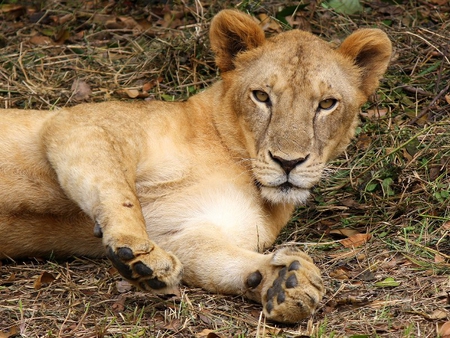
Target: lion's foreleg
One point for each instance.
(287, 282)
(98, 174)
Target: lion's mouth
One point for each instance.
(284, 187)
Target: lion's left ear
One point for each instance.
(370, 50)
(233, 32)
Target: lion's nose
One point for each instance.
(288, 165)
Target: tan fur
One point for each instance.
(203, 178)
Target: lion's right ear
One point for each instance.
(233, 32)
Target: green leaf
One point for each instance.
(371, 186)
(348, 7)
(386, 185)
(167, 97)
(389, 282)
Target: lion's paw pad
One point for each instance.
(143, 275)
(286, 280)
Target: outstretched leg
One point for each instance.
(286, 282)
(97, 171)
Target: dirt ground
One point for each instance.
(378, 224)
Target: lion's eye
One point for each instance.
(327, 104)
(261, 96)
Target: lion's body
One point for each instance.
(211, 180)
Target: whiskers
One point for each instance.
(327, 172)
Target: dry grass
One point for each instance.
(391, 189)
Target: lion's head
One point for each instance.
(294, 99)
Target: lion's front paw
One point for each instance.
(146, 265)
(291, 286)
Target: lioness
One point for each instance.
(194, 190)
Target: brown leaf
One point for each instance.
(119, 303)
(123, 286)
(81, 90)
(207, 333)
(438, 2)
(149, 85)
(447, 98)
(374, 113)
(62, 36)
(44, 278)
(12, 11)
(439, 314)
(41, 40)
(446, 225)
(340, 273)
(356, 240)
(13, 332)
(346, 232)
(132, 93)
(363, 142)
(267, 23)
(444, 330)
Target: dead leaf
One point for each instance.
(446, 225)
(363, 142)
(356, 240)
(207, 333)
(122, 23)
(149, 85)
(123, 286)
(438, 314)
(439, 259)
(438, 2)
(44, 278)
(41, 40)
(173, 326)
(340, 273)
(80, 90)
(12, 11)
(119, 303)
(346, 232)
(132, 93)
(444, 330)
(267, 23)
(374, 113)
(13, 332)
(62, 36)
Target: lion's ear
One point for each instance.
(370, 50)
(232, 32)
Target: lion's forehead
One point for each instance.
(300, 71)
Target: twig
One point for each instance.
(424, 247)
(427, 108)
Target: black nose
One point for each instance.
(288, 165)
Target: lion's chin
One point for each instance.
(285, 194)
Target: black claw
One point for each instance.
(269, 306)
(123, 269)
(254, 279)
(125, 254)
(98, 230)
(142, 269)
(295, 265)
(156, 284)
(281, 297)
(282, 272)
(291, 282)
(277, 283)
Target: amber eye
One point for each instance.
(327, 104)
(261, 96)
